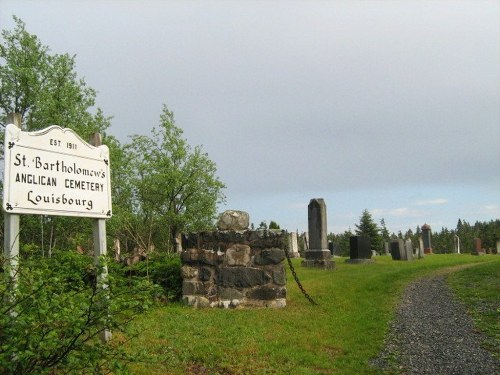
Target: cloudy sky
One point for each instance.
(390, 106)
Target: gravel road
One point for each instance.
(433, 334)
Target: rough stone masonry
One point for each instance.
(234, 267)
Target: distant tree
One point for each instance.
(342, 242)
(174, 187)
(383, 230)
(262, 225)
(273, 225)
(367, 227)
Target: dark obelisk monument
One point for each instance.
(317, 255)
(426, 236)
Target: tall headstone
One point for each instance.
(317, 255)
(426, 236)
(420, 247)
(456, 244)
(360, 251)
(498, 247)
(408, 250)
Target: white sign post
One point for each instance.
(54, 172)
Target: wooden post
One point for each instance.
(100, 251)
(11, 224)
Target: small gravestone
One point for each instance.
(360, 251)
(478, 250)
(293, 245)
(386, 248)
(317, 254)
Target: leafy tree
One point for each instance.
(367, 227)
(174, 187)
(45, 89)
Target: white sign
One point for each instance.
(54, 172)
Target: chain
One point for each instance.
(297, 278)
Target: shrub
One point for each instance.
(51, 321)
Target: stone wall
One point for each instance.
(234, 268)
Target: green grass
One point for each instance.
(479, 288)
(339, 336)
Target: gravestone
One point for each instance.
(317, 254)
(397, 249)
(426, 236)
(386, 248)
(456, 244)
(293, 246)
(360, 251)
(420, 248)
(498, 247)
(408, 250)
(478, 250)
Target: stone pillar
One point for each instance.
(426, 237)
(317, 255)
(498, 247)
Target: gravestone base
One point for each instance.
(360, 261)
(324, 264)
(317, 254)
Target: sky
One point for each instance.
(389, 106)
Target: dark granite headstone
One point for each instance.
(360, 247)
(396, 247)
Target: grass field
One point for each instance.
(339, 336)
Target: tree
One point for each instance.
(45, 89)
(174, 187)
(273, 225)
(367, 227)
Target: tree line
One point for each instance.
(442, 241)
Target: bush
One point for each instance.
(163, 269)
(52, 320)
